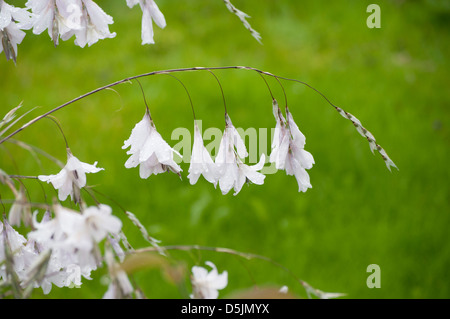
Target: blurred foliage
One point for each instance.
(394, 79)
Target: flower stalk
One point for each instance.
(363, 131)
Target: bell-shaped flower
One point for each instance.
(59, 17)
(71, 178)
(12, 21)
(9, 236)
(21, 256)
(201, 161)
(288, 151)
(52, 232)
(99, 222)
(73, 238)
(280, 142)
(57, 234)
(120, 286)
(149, 150)
(94, 24)
(233, 173)
(150, 13)
(206, 285)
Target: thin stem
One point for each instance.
(284, 91)
(221, 90)
(60, 128)
(23, 177)
(267, 84)
(145, 101)
(87, 190)
(3, 205)
(226, 251)
(187, 92)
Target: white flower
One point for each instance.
(22, 254)
(71, 178)
(205, 285)
(72, 237)
(50, 233)
(149, 150)
(14, 240)
(288, 149)
(59, 17)
(284, 289)
(94, 24)
(12, 21)
(150, 12)
(233, 173)
(239, 173)
(99, 222)
(78, 231)
(201, 161)
(120, 286)
(280, 143)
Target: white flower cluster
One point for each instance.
(154, 155)
(63, 19)
(12, 23)
(60, 250)
(69, 240)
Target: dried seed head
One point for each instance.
(369, 136)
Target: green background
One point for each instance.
(394, 79)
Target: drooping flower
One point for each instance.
(288, 151)
(71, 178)
(120, 286)
(150, 13)
(59, 17)
(99, 222)
(21, 254)
(201, 161)
(280, 142)
(206, 285)
(73, 239)
(94, 23)
(149, 150)
(20, 210)
(233, 173)
(65, 18)
(12, 238)
(12, 21)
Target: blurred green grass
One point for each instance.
(394, 79)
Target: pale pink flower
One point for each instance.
(149, 150)
(59, 17)
(94, 24)
(150, 13)
(201, 161)
(288, 151)
(12, 21)
(233, 173)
